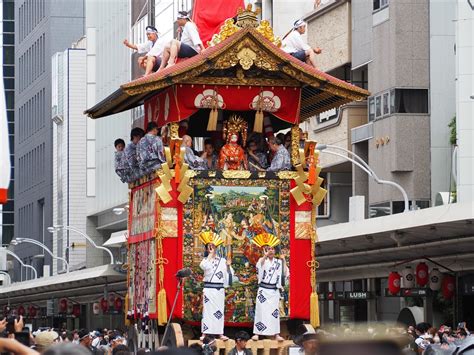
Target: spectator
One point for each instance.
(241, 339)
(257, 159)
(121, 350)
(122, 168)
(190, 43)
(14, 347)
(66, 349)
(153, 48)
(150, 150)
(45, 339)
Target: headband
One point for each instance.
(151, 29)
(299, 23)
(184, 15)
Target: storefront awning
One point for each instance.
(372, 247)
(82, 283)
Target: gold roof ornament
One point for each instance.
(245, 18)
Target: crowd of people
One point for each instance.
(159, 53)
(145, 153)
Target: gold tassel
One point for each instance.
(258, 124)
(162, 308)
(314, 310)
(212, 124)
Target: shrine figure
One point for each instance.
(232, 155)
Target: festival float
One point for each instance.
(242, 83)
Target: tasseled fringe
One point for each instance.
(258, 124)
(162, 308)
(314, 310)
(212, 123)
(125, 309)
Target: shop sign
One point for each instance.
(409, 292)
(348, 295)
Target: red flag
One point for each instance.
(209, 16)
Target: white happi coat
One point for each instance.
(215, 274)
(267, 304)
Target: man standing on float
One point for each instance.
(272, 273)
(217, 276)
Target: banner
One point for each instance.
(181, 101)
(209, 16)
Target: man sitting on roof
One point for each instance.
(153, 48)
(294, 44)
(150, 150)
(188, 47)
(190, 158)
(281, 159)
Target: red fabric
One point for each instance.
(3, 196)
(142, 236)
(181, 101)
(300, 254)
(209, 16)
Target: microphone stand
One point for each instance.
(165, 334)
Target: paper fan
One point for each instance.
(266, 239)
(210, 237)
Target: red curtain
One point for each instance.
(210, 15)
(181, 101)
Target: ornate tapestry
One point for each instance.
(237, 214)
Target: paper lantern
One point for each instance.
(96, 308)
(32, 311)
(448, 286)
(104, 305)
(118, 304)
(394, 282)
(76, 310)
(408, 277)
(421, 274)
(435, 279)
(21, 311)
(62, 305)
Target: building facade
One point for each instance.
(7, 27)
(42, 28)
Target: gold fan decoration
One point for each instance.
(264, 239)
(211, 237)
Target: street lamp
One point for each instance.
(89, 239)
(365, 167)
(21, 262)
(8, 275)
(45, 248)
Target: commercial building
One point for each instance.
(42, 29)
(7, 28)
(405, 54)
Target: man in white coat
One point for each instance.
(272, 273)
(217, 276)
(293, 43)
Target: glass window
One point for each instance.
(8, 10)
(8, 38)
(8, 71)
(11, 116)
(7, 234)
(392, 101)
(380, 4)
(9, 84)
(386, 104)
(7, 217)
(410, 101)
(8, 26)
(371, 108)
(10, 99)
(379, 210)
(378, 106)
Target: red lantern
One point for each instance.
(32, 311)
(394, 282)
(21, 311)
(76, 310)
(448, 286)
(118, 304)
(422, 274)
(62, 305)
(104, 305)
